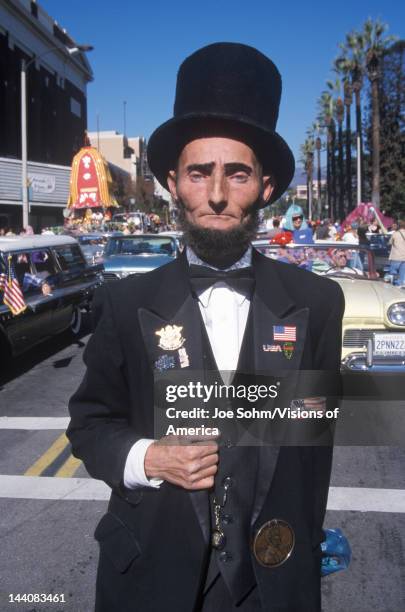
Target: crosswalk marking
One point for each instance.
(341, 499)
(50, 487)
(362, 499)
(34, 423)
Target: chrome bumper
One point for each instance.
(365, 362)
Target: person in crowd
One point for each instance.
(275, 229)
(362, 234)
(350, 236)
(374, 226)
(397, 254)
(295, 223)
(344, 260)
(322, 232)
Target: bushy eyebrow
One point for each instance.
(203, 168)
(230, 168)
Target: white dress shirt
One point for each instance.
(224, 312)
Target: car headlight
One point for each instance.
(396, 313)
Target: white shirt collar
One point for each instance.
(205, 297)
(243, 262)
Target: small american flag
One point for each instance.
(30, 280)
(285, 332)
(13, 296)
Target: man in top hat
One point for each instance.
(208, 525)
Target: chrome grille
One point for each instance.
(359, 337)
(110, 276)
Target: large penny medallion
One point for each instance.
(274, 543)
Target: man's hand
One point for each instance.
(190, 462)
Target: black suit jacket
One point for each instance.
(154, 542)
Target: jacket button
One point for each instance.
(224, 557)
(228, 482)
(227, 519)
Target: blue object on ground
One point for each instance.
(336, 552)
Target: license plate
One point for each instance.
(389, 345)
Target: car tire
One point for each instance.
(76, 321)
(5, 354)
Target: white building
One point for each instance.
(126, 153)
(301, 191)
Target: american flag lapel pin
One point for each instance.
(285, 333)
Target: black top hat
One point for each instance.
(225, 89)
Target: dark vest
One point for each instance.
(237, 464)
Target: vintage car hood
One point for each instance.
(366, 299)
(132, 263)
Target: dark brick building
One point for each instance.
(56, 86)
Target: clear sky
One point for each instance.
(139, 44)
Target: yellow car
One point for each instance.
(374, 319)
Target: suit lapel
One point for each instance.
(175, 342)
(273, 307)
(175, 314)
(171, 325)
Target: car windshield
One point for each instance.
(328, 260)
(140, 245)
(92, 240)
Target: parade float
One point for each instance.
(91, 198)
(369, 213)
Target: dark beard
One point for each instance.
(219, 248)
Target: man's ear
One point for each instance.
(268, 187)
(172, 184)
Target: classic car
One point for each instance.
(374, 319)
(93, 245)
(137, 254)
(56, 284)
(177, 235)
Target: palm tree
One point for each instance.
(313, 135)
(375, 44)
(325, 119)
(348, 97)
(351, 63)
(318, 147)
(343, 67)
(335, 87)
(307, 159)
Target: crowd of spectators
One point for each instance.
(294, 227)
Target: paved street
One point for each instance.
(49, 507)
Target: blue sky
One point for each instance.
(140, 44)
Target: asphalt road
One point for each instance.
(49, 507)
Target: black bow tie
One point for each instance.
(241, 279)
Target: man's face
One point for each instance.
(340, 259)
(297, 221)
(218, 180)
